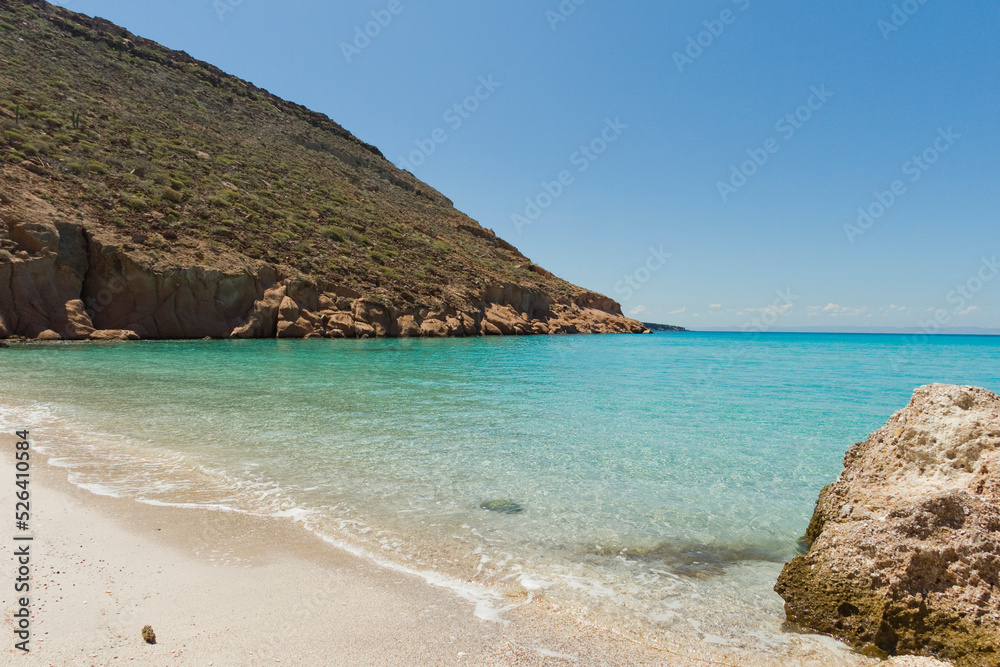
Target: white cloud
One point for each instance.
(637, 310)
(715, 305)
(773, 308)
(893, 308)
(679, 311)
(966, 311)
(836, 310)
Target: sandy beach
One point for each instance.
(220, 588)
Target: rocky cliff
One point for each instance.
(905, 549)
(146, 194)
(71, 281)
(64, 280)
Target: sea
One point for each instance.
(650, 484)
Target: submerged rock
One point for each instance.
(904, 548)
(501, 505)
(695, 559)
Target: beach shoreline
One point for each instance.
(229, 588)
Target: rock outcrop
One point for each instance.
(65, 281)
(905, 549)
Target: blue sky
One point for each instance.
(713, 155)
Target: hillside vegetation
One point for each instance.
(171, 162)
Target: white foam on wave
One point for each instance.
(487, 603)
(96, 489)
(75, 447)
(195, 506)
(485, 600)
(140, 477)
(530, 583)
(300, 514)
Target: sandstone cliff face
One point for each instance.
(905, 549)
(61, 280)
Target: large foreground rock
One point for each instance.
(905, 553)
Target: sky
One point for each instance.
(713, 164)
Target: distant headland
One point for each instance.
(662, 327)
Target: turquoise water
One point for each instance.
(653, 472)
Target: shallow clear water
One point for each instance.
(669, 473)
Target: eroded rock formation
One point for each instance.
(61, 280)
(905, 549)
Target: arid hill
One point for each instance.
(144, 193)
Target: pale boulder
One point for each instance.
(114, 334)
(904, 553)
